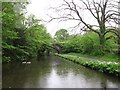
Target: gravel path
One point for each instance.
(92, 59)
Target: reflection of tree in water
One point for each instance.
(90, 75)
(18, 75)
(76, 69)
(62, 68)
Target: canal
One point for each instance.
(54, 72)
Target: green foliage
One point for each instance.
(61, 35)
(22, 37)
(38, 39)
(89, 43)
(8, 30)
(72, 45)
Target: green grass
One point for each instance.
(109, 57)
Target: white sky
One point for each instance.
(40, 8)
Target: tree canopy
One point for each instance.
(61, 35)
(22, 36)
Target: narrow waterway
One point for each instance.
(54, 72)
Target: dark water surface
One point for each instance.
(54, 72)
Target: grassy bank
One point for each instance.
(110, 67)
(108, 57)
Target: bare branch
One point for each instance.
(98, 9)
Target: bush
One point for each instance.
(88, 44)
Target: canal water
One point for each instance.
(54, 72)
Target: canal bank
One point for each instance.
(112, 68)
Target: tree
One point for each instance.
(22, 37)
(37, 37)
(116, 18)
(101, 11)
(11, 35)
(61, 35)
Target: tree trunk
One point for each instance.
(119, 46)
(102, 44)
